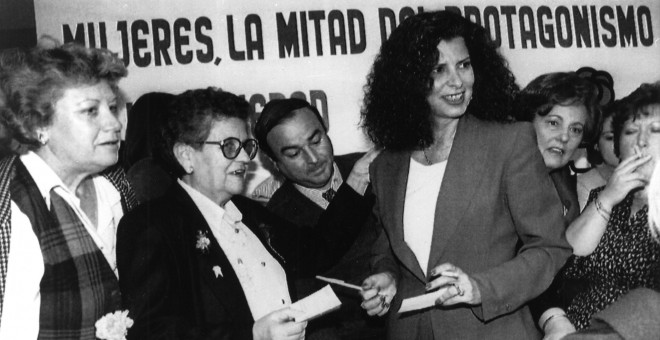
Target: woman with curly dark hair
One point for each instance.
(469, 217)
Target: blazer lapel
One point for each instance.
(566, 188)
(224, 285)
(398, 165)
(462, 176)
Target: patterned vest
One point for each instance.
(78, 286)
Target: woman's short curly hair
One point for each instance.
(548, 90)
(632, 107)
(396, 114)
(33, 81)
(189, 120)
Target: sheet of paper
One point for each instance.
(322, 301)
(421, 301)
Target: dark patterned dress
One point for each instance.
(627, 257)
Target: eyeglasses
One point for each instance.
(232, 146)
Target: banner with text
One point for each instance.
(322, 50)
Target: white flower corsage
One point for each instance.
(203, 241)
(113, 326)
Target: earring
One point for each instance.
(190, 170)
(42, 140)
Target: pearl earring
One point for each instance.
(42, 140)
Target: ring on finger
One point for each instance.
(459, 291)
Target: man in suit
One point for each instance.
(319, 191)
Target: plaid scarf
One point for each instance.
(78, 286)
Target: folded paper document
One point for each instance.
(421, 301)
(321, 302)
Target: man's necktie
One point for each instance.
(329, 194)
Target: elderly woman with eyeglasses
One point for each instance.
(194, 263)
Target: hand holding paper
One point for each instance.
(378, 291)
(279, 324)
(321, 302)
(462, 288)
(421, 301)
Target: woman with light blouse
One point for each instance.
(61, 199)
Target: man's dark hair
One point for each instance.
(276, 111)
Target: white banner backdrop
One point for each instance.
(323, 50)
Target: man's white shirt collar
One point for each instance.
(316, 194)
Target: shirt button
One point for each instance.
(263, 264)
(240, 261)
(236, 230)
(283, 302)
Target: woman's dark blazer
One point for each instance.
(562, 290)
(168, 285)
(498, 218)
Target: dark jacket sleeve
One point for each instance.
(312, 250)
(155, 283)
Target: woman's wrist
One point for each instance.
(549, 314)
(604, 212)
(606, 200)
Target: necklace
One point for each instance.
(448, 143)
(428, 162)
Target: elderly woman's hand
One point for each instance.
(279, 325)
(378, 291)
(460, 287)
(623, 180)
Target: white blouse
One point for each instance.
(262, 278)
(419, 208)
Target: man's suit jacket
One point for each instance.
(342, 221)
(291, 204)
(344, 225)
(498, 218)
(168, 285)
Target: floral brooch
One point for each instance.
(203, 241)
(113, 326)
(217, 271)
